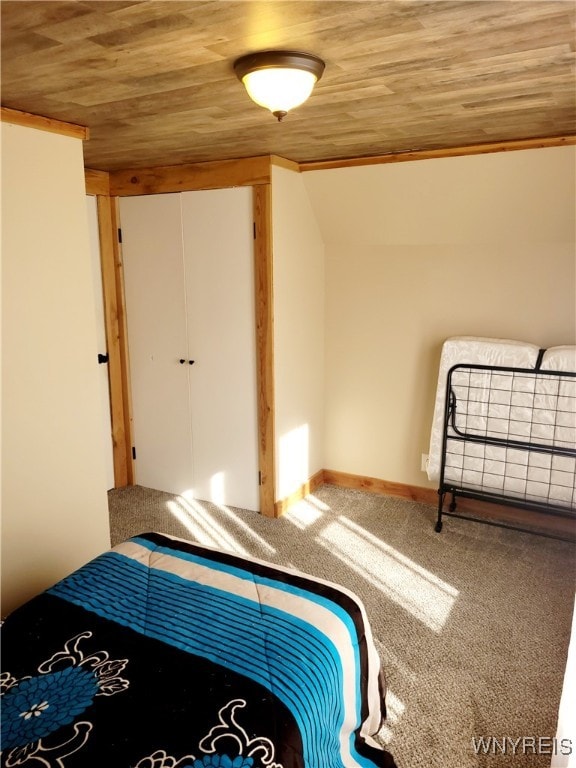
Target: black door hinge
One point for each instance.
(254, 229)
(119, 235)
(102, 358)
(259, 478)
(134, 452)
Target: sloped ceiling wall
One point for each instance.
(420, 251)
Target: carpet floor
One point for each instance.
(472, 624)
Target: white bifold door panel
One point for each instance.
(219, 263)
(189, 282)
(157, 339)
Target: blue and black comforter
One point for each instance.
(161, 653)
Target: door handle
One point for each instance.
(102, 358)
(182, 361)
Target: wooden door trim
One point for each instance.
(116, 341)
(263, 276)
(218, 174)
(97, 182)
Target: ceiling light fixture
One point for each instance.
(279, 80)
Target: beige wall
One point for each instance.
(298, 333)
(54, 504)
(420, 251)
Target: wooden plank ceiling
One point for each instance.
(154, 82)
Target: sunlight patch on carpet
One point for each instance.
(417, 590)
(205, 524)
(247, 530)
(303, 514)
(202, 526)
(394, 711)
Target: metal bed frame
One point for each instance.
(512, 419)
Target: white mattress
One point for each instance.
(478, 351)
(537, 409)
(559, 359)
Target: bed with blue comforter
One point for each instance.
(161, 653)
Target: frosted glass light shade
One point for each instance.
(279, 80)
(279, 90)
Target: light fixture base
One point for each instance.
(280, 114)
(280, 59)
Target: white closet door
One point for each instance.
(219, 265)
(156, 319)
(107, 446)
